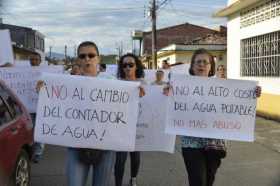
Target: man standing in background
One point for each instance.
(38, 148)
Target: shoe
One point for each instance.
(133, 182)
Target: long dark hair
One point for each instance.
(139, 66)
(211, 60)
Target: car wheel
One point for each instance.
(21, 175)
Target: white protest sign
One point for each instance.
(45, 63)
(150, 134)
(87, 112)
(22, 80)
(181, 69)
(212, 108)
(150, 75)
(112, 70)
(6, 50)
(22, 63)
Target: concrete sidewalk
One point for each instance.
(247, 164)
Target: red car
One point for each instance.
(16, 139)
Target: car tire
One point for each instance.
(21, 174)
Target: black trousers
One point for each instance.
(201, 167)
(120, 165)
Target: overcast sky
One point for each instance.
(107, 22)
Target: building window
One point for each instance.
(260, 55)
(262, 12)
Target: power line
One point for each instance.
(163, 3)
(97, 10)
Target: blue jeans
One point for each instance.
(38, 148)
(77, 171)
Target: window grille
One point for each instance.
(262, 12)
(260, 56)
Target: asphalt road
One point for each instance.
(247, 164)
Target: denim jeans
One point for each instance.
(77, 171)
(38, 148)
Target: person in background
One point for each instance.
(165, 64)
(159, 78)
(130, 68)
(38, 148)
(102, 68)
(35, 60)
(75, 70)
(221, 72)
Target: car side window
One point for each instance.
(14, 107)
(5, 116)
(9, 99)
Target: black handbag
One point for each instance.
(90, 156)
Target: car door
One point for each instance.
(7, 140)
(12, 135)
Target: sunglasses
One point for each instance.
(130, 65)
(90, 56)
(203, 62)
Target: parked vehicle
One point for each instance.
(16, 139)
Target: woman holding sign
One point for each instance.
(130, 68)
(202, 156)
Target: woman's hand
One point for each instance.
(141, 92)
(39, 85)
(258, 91)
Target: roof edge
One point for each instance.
(235, 7)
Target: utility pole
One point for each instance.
(65, 53)
(75, 50)
(119, 48)
(50, 52)
(154, 34)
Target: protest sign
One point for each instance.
(87, 112)
(6, 50)
(22, 63)
(150, 134)
(22, 80)
(112, 70)
(212, 108)
(181, 69)
(150, 75)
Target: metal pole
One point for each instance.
(154, 34)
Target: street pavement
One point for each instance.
(247, 164)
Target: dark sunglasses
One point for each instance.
(90, 56)
(203, 62)
(130, 65)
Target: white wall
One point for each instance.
(233, 52)
(235, 34)
(261, 28)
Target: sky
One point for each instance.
(109, 23)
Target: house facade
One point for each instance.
(26, 41)
(216, 44)
(254, 48)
